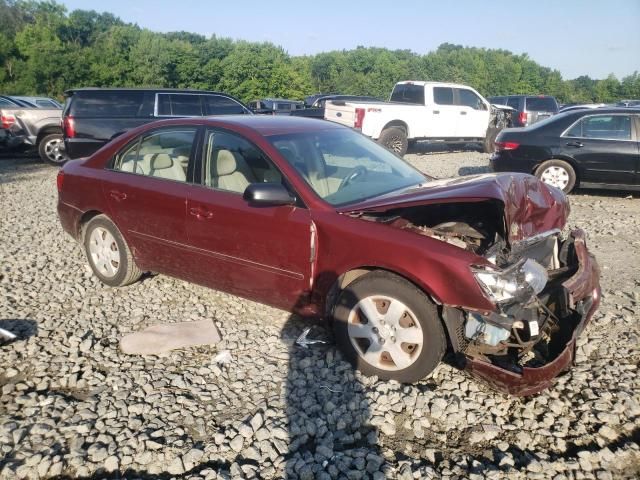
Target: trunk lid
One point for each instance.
(530, 206)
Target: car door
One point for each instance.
(474, 114)
(605, 147)
(145, 188)
(261, 253)
(444, 114)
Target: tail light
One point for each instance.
(69, 126)
(7, 120)
(502, 146)
(522, 118)
(60, 180)
(359, 118)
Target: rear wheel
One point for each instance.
(386, 326)
(109, 255)
(557, 173)
(394, 139)
(51, 149)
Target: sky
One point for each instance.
(588, 37)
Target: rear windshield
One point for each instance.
(408, 93)
(541, 104)
(106, 104)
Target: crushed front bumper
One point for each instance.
(583, 289)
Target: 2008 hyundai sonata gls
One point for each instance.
(313, 217)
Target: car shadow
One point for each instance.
(462, 171)
(426, 148)
(21, 328)
(328, 411)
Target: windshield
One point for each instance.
(343, 166)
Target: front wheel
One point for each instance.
(394, 139)
(109, 255)
(386, 326)
(51, 149)
(557, 173)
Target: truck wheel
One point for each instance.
(557, 173)
(394, 139)
(51, 149)
(386, 326)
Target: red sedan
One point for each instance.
(315, 218)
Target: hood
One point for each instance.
(530, 206)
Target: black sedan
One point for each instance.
(584, 148)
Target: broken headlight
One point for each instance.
(521, 281)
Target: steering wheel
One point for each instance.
(355, 173)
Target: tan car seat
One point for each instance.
(230, 172)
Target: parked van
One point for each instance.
(93, 116)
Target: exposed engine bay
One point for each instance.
(535, 317)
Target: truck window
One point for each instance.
(467, 98)
(443, 95)
(541, 104)
(177, 104)
(106, 104)
(408, 93)
(219, 105)
(514, 103)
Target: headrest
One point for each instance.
(160, 161)
(225, 163)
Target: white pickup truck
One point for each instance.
(433, 111)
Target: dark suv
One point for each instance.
(93, 116)
(529, 109)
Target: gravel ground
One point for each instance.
(73, 406)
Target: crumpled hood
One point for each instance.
(530, 206)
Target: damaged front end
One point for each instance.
(544, 287)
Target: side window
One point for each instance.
(219, 105)
(443, 95)
(162, 154)
(179, 105)
(514, 103)
(106, 104)
(575, 131)
(231, 163)
(467, 98)
(607, 127)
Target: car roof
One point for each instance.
(423, 83)
(158, 90)
(265, 125)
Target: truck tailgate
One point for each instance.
(340, 112)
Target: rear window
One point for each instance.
(179, 105)
(408, 93)
(106, 104)
(541, 104)
(219, 105)
(443, 95)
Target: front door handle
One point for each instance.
(436, 112)
(200, 213)
(575, 144)
(117, 195)
(463, 113)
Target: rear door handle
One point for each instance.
(200, 213)
(575, 144)
(436, 112)
(118, 196)
(463, 113)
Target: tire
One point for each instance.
(557, 173)
(394, 139)
(51, 149)
(112, 261)
(363, 344)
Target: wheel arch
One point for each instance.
(51, 129)
(398, 124)
(352, 274)
(84, 220)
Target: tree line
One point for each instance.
(46, 50)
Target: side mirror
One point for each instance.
(268, 195)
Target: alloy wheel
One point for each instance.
(54, 150)
(385, 333)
